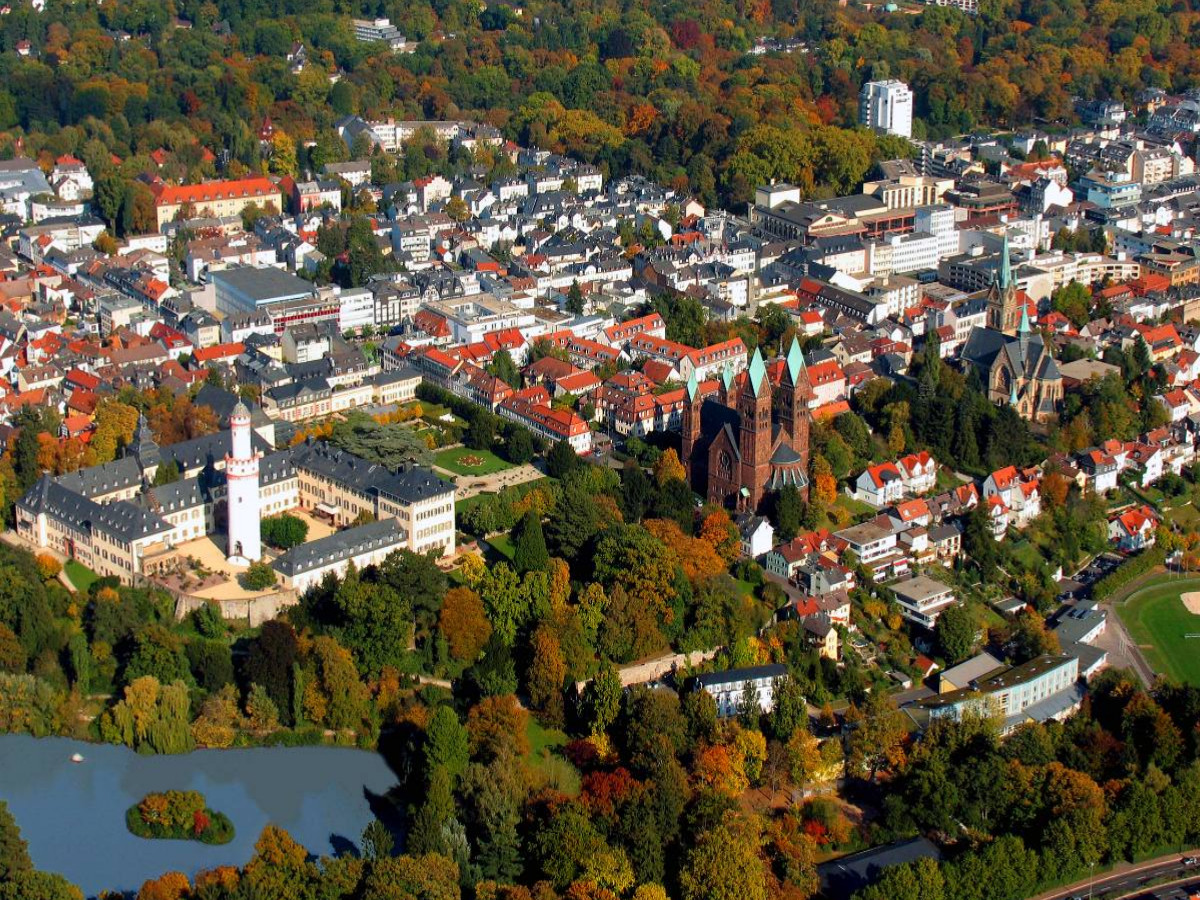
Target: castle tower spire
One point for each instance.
(243, 498)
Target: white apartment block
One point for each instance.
(886, 106)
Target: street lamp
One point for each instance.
(1091, 878)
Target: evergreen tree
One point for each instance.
(789, 512)
(978, 541)
(426, 834)
(575, 299)
(529, 545)
(561, 460)
(636, 492)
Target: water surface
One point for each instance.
(73, 815)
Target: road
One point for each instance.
(1130, 881)
(1123, 653)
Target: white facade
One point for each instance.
(886, 106)
(244, 505)
(356, 309)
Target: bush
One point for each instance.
(180, 816)
(284, 531)
(258, 577)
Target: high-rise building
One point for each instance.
(886, 106)
(244, 501)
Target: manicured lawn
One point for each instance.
(463, 461)
(1159, 623)
(81, 576)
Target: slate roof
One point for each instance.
(123, 520)
(741, 676)
(103, 479)
(409, 484)
(339, 546)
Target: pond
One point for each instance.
(73, 815)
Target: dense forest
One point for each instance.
(666, 90)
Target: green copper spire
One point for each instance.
(727, 376)
(1012, 395)
(1005, 264)
(693, 388)
(1024, 328)
(795, 361)
(758, 372)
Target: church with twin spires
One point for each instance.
(1012, 360)
(749, 437)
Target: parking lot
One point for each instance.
(1079, 586)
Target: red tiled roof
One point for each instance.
(241, 188)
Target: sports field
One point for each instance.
(1159, 623)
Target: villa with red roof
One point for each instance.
(1134, 529)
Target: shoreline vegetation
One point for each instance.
(179, 816)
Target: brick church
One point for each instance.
(749, 437)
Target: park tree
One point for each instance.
(494, 794)
(496, 727)
(725, 864)
(561, 460)
(35, 885)
(918, 880)
(447, 744)
(14, 852)
(518, 446)
(376, 621)
(270, 661)
(602, 698)
(464, 624)
(427, 833)
(529, 544)
(546, 675)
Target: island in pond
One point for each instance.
(178, 815)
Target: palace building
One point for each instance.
(115, 520)
(749, 437)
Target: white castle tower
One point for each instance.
(241, 478)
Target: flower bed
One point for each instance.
(471, 460)
(178, 816)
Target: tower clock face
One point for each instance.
(725, 465)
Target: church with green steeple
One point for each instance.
(1012, 359)
(747, 435)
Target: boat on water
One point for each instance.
(76, 757)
